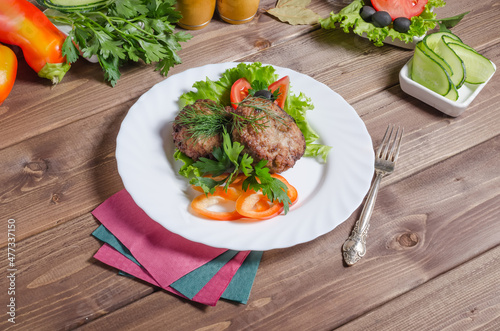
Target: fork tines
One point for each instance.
(383, 151)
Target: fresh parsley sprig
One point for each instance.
(126, 30)
(230, 157)
(271, 187)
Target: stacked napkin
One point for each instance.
(140, 247)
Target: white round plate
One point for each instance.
(328, 193)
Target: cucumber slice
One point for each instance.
(448, 40)
(452, 94)
(442, 49)
(75, 5)
(429, 73)
(431, 40)
(72, 3)
(478, 68)
(436, 57)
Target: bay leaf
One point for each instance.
(295, 3)
(295, 15)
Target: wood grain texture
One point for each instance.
(60, 286)
(46, 178)
(466, 298)
(434, 228)
(412, 241)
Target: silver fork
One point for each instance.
(354, 247)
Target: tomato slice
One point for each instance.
(239, 91)
(283, 84)
(252, 204)
(203, 202)
(400, 8)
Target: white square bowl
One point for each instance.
(466, 93)
(399, 43)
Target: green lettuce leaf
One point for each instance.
(220, 90)
(348, 19)
(187, 169)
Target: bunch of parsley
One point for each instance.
(124, 30)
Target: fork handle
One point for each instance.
(354, 247)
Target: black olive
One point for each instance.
(401, 24)
(266, 94)
(367, 3)
(381, 19)
(366, 13)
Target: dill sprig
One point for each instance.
(201, 123)
(260, 118)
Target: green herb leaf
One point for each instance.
(128, 9)
(271, 187)
(246, 164)
(110, 66)
(126, 30)
(445, 24)
(206, 183)
(232, 149)
(69, 49)
(257, 85)
(214, 167)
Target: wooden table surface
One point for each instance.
(433, 260)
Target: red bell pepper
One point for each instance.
(8, 71)
(24, 25)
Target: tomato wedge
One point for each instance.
(283, 85)
(239, 91)
(400, 8)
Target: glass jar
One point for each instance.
(237, 11)
(196, 14)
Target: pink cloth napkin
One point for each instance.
(164, 256)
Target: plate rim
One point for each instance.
(220, 68)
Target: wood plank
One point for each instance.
(417, 234)
(465, 298)
(59, 285)
(47, 178)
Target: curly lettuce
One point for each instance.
(296, 105)
(349, 18)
